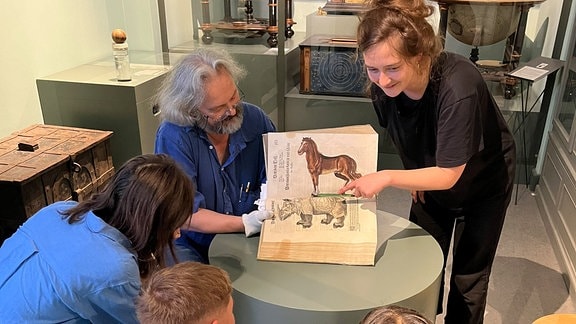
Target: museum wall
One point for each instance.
(44, 37)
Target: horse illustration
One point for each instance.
(343, 166)
(331, 207)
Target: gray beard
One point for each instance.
(229, 125)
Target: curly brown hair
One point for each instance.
(403, 20)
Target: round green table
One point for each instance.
(407, 272)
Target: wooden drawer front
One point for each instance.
(102, 158)
(22, 185)
(92, 169)
(103, 166)
(33, 197)
(58, 184)
(105, 179)
(83, 176)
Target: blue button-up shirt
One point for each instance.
(230, 188)
(53, 272)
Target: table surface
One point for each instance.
(408, 261)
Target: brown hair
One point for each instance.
(187, 292)
(148, 198)
(403, 21)
(394, 315)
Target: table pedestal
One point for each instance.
(407, 272)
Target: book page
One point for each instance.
(311, 222)
(336, 230)
(334, 219)
(303, 163)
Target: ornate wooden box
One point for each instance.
(43, 164)
(330, 65)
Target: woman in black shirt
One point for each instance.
(457, 151)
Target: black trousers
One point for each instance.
(476, 234)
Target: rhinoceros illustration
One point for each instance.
(332, 207)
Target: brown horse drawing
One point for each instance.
(343, 166)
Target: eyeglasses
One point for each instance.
(225, 110)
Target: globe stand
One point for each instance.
(474, 54)
(509, 88)
(513, 13)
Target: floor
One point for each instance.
(525, 283)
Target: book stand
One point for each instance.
(531, 72)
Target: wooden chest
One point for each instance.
(43, 164)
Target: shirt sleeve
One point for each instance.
(116, 304)
(459, 134)
(170, 140)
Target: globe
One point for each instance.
(482, 24)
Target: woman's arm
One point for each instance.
(208, 221)
(425, 179)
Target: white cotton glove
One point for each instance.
(253, 221)
(261, 202)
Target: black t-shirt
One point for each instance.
(457, 121)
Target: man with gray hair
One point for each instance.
(216, 138)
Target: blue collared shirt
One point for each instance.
(53, 272)
(230, 188)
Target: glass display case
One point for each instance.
(556, 191)
(564, 123)
(344, 6)
(241, 27)
(243, 22)
(248, 30)
(331, 88)
(276, 79)
(567, 106)
(481, 24)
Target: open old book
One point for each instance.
(311, 222)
